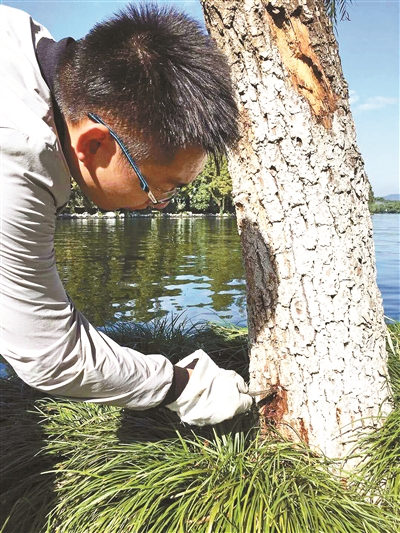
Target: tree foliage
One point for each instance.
(78, 202)
(337, 9)
(211, 192)
(380, 205)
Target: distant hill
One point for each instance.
(392, 197)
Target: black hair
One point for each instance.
(156, 77)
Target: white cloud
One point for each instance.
(375, 102)
(353, 97)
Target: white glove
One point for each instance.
(212, 394)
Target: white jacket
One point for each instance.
(48, 342)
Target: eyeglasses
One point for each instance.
(166, 196)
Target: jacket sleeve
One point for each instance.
(47, 341)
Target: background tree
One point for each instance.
(315, 313)
(78, 202)
(211, 191)
(220, 186)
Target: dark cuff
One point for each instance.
(179, 382)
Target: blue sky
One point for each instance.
(369, 50)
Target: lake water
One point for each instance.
(387, 252)
(140, 268)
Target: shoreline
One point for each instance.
(134, 214)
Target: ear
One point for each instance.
(90, 140)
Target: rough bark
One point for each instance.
(314, 310)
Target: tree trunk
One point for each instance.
(315, 313)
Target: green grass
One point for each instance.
(83, 468)
(176, 338)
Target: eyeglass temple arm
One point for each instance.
(120, 143)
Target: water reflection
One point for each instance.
(141, 268)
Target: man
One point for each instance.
(131, 112)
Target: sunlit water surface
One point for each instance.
(141, 268)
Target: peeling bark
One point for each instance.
(292, 38)
(315, 313)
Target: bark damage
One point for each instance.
(307, 75)
(274, 406)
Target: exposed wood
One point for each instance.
(292, 38)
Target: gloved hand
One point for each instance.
(212, 394)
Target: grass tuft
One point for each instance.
(75, 467)
(176, 338)
(393, 349)
(191, 484)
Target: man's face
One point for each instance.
(116, 186)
